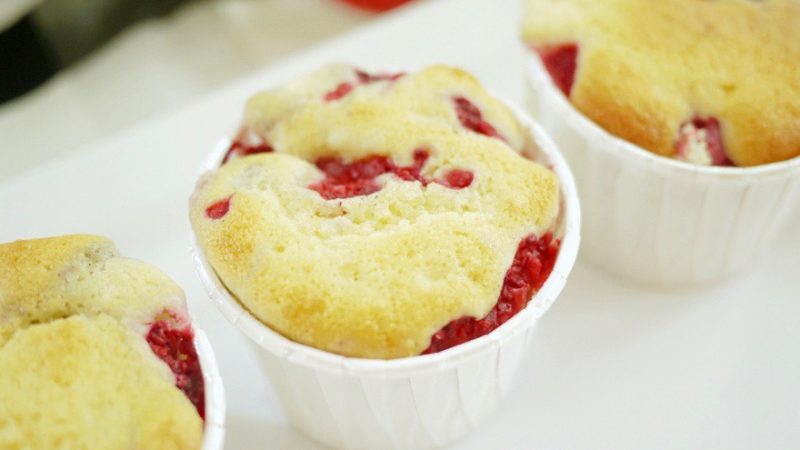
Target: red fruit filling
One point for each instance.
(375, 5)
(700, 141)
(345, 87)
(471, 118)
(239, 148)
(344, 180)
(173, 343)
(365, 78)
(532, 264)
(560, 61)
(341, 90)
(218, 209)
(457, 179)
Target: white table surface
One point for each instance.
(613, 366)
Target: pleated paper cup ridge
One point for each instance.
(214, 429)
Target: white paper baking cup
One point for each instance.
(418, 402)
(656, 219)
(214, 428)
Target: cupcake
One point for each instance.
(96, 351)
(681, 121)
(369, 222)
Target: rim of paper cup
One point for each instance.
(214, 392)
(542, 81)
(281, 346)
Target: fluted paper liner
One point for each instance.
(214, 429)
(656, 219)
(409, 403)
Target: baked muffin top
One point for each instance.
(76, 370)
(388, 206)
(710, 82)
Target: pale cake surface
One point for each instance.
(373, 276)
(644, 68)
(75, 368)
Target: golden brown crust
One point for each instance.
(646, 68)
(373, 276)
(76, 369)
(52, 278)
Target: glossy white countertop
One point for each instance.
(613, 366)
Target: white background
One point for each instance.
(613, 365)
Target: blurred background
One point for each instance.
(74, 71)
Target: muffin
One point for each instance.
(379, 216)
(681, 122)
(360, 223)
(96, 350)
(706, 82)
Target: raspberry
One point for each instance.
(457, 179)
(471, 118)
(173, 343)
(344, 180)
(341, 90)
(376, 5)
(218, 209)
(560, 61)
(365, 78)
(532, 264)
(700, 142)
(239, 149)
(345, 87)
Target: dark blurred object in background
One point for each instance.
(24, 60)
(55, 34)
(58, 33)
(375, 5)
(73, 28)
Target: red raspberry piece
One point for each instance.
(471, 118)
(173, 343)
(345, 87)
(376, 5)
(457, 179)
(561, 61)
(341, 90)
(344, 180)
(218, 209)
(366, 78)
(412, 172)
(532, 264)
(239, 149)
(705, 131)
